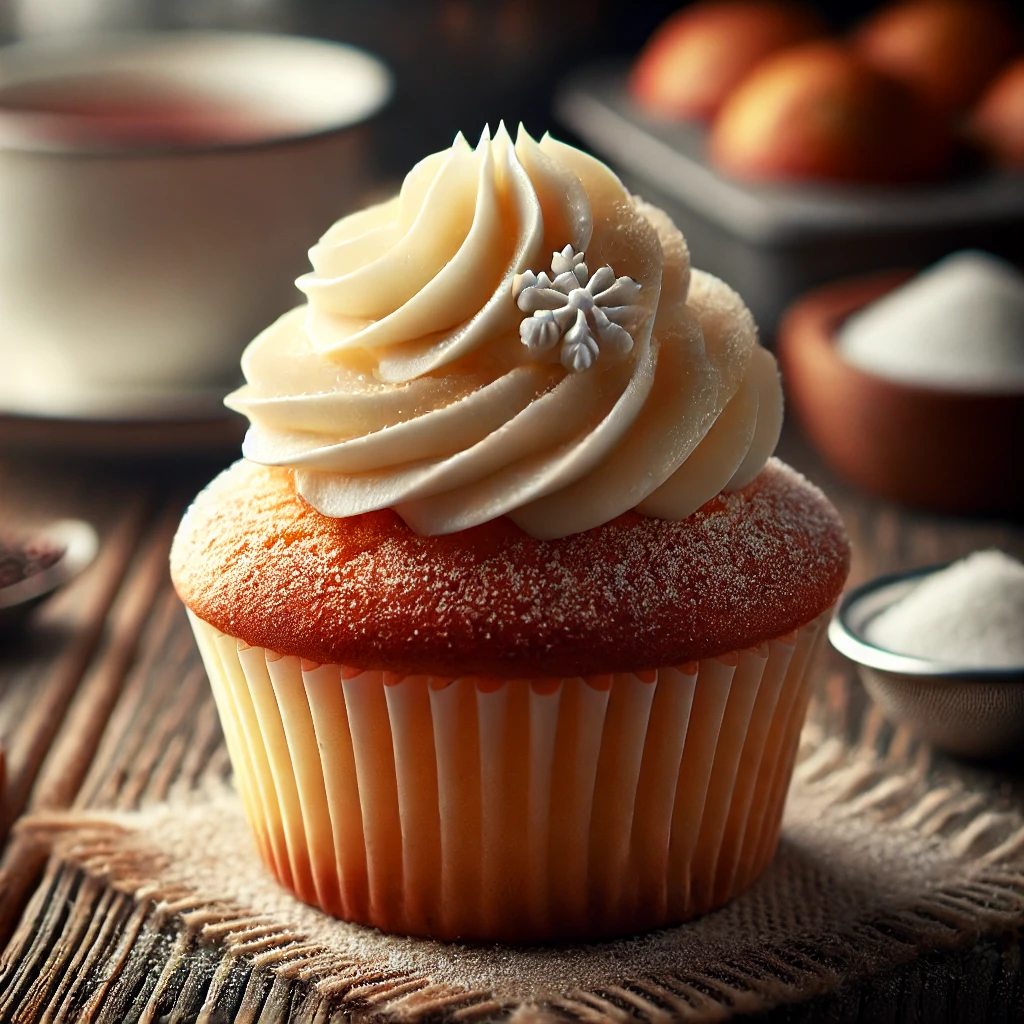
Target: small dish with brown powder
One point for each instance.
(34, 563)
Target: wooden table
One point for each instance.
(104, 704)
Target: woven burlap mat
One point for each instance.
(878, 864)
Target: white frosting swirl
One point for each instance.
(404, 382)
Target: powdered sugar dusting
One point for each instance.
(633, 594)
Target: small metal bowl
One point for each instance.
(78, 543)
(974, 712)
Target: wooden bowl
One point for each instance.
(938, 449)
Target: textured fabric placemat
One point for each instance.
(877, 866)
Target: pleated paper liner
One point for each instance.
(514, 810)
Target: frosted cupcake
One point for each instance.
(509, 615)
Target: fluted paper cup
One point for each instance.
(514, 809)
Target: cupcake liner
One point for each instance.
(514, 810)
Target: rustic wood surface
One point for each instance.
(104, 704)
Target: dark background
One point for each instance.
(457, 63)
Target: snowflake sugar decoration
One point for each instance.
(585, 313)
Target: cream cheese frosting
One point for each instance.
(440, 368)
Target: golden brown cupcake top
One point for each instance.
(256, 561)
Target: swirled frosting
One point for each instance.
(439, 369)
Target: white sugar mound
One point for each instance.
(970, 614)
(959, 324)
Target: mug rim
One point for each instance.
(37, 61)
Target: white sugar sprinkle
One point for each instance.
(970, 613)
(960, 324)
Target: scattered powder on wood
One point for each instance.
(970, 614)
(958, 325)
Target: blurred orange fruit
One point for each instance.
(998, 120)
(819, 111)
(699, 54)
(948, 50)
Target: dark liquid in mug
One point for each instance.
(130, 112)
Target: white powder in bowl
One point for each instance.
(970, 613)
(959, 324)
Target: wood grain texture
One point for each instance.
(81, 952)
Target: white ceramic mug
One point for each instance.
(131, 278)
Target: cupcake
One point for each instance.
(509, 614)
